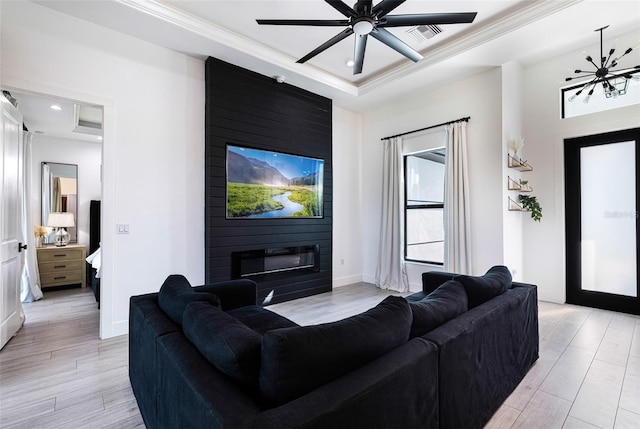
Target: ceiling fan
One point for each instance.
(364, 19)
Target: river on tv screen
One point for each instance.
(266, 184)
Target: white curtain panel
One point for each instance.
(391, 271)
(457, 220)
(30, 280)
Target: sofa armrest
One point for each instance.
(233, 293)
(483, 355)
(147, 323)
(432, 279)
(194, 394)
(360, 399)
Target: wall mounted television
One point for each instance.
(263, 184)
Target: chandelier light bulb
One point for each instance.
(586, 99)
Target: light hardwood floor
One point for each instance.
(56, 373)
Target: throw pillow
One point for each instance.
(176, 292)
(297, 360)
(443, 304)
(228, 344)
(480, 289)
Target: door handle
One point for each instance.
(21, 246)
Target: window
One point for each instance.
(424, 206)
(600, 100)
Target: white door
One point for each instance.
(10, 236)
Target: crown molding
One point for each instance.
(220, 35)
(529, 12)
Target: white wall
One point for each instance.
(153, 141)
(479, 97)
(544, 131)
(87, 156)
(512, 106)
(347, 197)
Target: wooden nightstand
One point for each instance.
(61, 266)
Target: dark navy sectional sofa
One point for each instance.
(446, 357)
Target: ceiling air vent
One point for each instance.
(423, 32)
(88, 120)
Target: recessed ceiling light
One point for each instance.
(350, 63)
(55, 107)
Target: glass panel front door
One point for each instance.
(601, 209)
(608, 206)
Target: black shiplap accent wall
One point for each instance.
(248, 109)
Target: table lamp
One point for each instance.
(61, 221)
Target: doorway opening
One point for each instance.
(67, 133)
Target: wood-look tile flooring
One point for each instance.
(56, 373)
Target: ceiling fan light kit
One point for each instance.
(614, 82)
(365, 20)
(363, 26)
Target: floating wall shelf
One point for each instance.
(512, 185)
(515, 207)
(518, 164)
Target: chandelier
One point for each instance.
(614, 82)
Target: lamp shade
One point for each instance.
(60, 220)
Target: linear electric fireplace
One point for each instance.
(250, 263)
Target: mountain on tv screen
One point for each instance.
(265, 184)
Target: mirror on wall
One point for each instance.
(60, 194)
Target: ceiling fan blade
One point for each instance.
(394, 43)
(427, 19)
(358, 53)
(386, 6)
(329, 43)
(363, 6)
(342, 8)
(311, 22)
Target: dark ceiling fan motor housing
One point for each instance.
(365, 20)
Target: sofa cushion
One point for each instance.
(443, 304)
(297, 360)
(480, 289)
(176, 292)
(224, 341)
(260, 319)
(432, 279)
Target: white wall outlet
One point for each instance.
(122, 228)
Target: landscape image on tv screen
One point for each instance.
(265, 184)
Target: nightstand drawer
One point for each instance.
(62, 265)
(60, 278)
(57, 254)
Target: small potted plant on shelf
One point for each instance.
(530, 203)
(524, 185)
